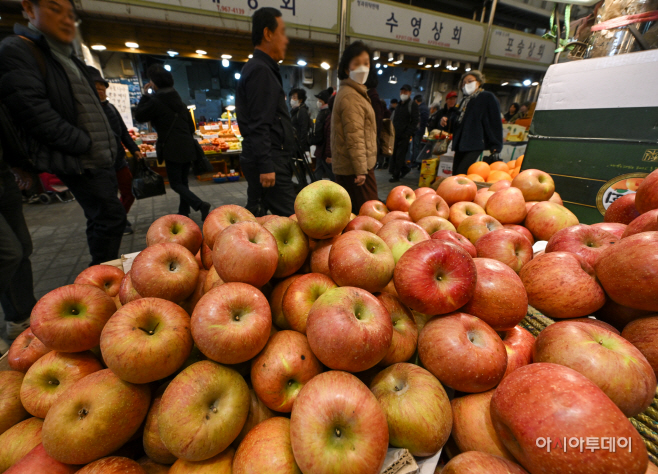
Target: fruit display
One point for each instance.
(314, 343)
(146, 148)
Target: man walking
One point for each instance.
(52, 100)
(424, 113)
(269, 137)
(405, 121)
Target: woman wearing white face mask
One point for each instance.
(354, 128)
(477, 125)
(300, 118)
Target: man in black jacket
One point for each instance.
(405, 121)
(424, 113)
(269, 137)
(317, 136)
(54, 104)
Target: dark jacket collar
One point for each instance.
(267, 59)
(38, 38)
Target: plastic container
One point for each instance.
(219, 180)
(234, 178)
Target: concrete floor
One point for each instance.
(60, 243)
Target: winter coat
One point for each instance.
(317, 138)
(301, 122)
(405, 119)
(481, 128)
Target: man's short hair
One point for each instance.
(264, 18)
(159, 76)
(418, 98)
(394, 101)
(301, 94)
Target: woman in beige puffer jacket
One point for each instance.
(354, 128)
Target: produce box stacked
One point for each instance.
(313, 343)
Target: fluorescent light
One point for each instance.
(172, 53)
(377, 66)
(527, 82)
(385, 66)
(428, 65)
(437, 63)
(467, 67)
(201, 52)
(226, 56)
(422, 60)
(167, 67)
(301, 62)
(380, 72)
(191, 107)
(376, 55)
(238, 76)
(132, 45)
(391, 57)
(504, 83)
(325, 65)
(535, 84)
(225, 62)
(250, 56)
(98, 47)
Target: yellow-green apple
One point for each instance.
(647, 193)
(433, 224)
(463, 352)
(349, 329)
(481, 198)
(400, 236)
(643, 334)
(280, 371)
(476, 462)
(176, 229)
(320, 256)
(300, 296)
(395, 215)
(127, 291)
(146, 340)
(362, 259)
(416, 406)
(222, 217)
(94, 417)
(405, 332)
(231, 323)
(25, 351)
(500, 299)
(293, 217)
(51, 375)
(257, 412)
(618, 315)
(246, 253)
(584, 240)
(212, 280)
(276, 302)
(476, 226)
(113, 465)
(536, 185)
(337, 425)
(105, 277)
(266, 448)
(647, 222)
(472, 429)
(11, 408)
(463, 209)
(428, 205)
(420, 191)
(219, 464)
(366, 223)
(435, 277)
(507, 206)
(206, 256)
(521, 230)
(518, 343)
(168, 271)
(457, 188)
(455, 238)
(614, 228)
(19, 440)
(562, 285)
(292, 244)
(38, 460)
(564, 404)
(151, 440)
(628, 271)
(622, 211)
(375, 209)
(400, 198)
(546, 218)
(556, 199)
(190, 303)
(323, 209)
(202, 411)
(611, 362)
(506, 246)
(500, 185)
(71, 318)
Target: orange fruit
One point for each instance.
(497, 176)
(499, 166)
(519, 161)
(511, 164)
(461, 175)
(480, 168)
(514, 172)
(475, 177)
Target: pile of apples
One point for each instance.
(312, 343)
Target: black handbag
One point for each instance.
(146, 182)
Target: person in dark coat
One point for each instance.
(269, 137)
(300, 118)
(405, 121)
(449, 110)
(394, 104)
(318, 137)
(424, 113)
(170, 117)
(511, 112)
(381, 112)
(435, 117)
(53, 102)
(477, 126)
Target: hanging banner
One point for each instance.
(119, 96)
(512, 45)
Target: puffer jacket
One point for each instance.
(353, 130)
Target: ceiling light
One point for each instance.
(377, 66)
(455, 65)
(380, 72)
(237, 76)
(150, 91)
(167, 67)
(280, 61)
(376, 55)
(467, 67)
(428, 65)
(301, 62)
(422, 60)
(437, 63)
(527, 82)
(392, 80)
(449, 65)
(225, 62)
(325, 65)
(504, 83)
(385, 66)
(535, 84)
(250, 56)
(132, 45)
(172, 53)
(230, 108)
(201, 52)
(191, 107)
(400, 58)
(391, 57)
(226, 56)
(98, 47)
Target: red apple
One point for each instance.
(206, 256)
(19, 440)
(11, 408)
(400, 199)
(457, 188)
(190, 303)
(643, 334)
(500, 185)
(38, 460)
(521, 230)
(395, 215)
(405, 332)
(222, 217)
(320, 256)
(476, 226)
(546, 218)
(614, 228)
(476, 462)
(628, 271)
(176, 229)
(337, 423)
(463, 352)
(127, 291)
(535, 185)
(366, 223)
(267, 217)
(266, 448)
(349, 329)
(292, 244)
(323, 209)
(219, 464)
(562, 285)
(105, 277)
(231, 323)
(518, 343)
(400, 236)
(622, 211)
(556, 199)
(94, 417)
(212, 280)
(428, 205)
(300, 297)
(246, 253)
(481, 198)
(276, 302)
(71, 318)
(618, 315)
(390, 289)
(421, 191)
(280, 371)
(529, 204)
(202, 411)
(146, 340)
(374, 209)
(596, 322)
(507, 206)
(113, 465)
(542, 401)
(433, 224)
(647, 222)
(647, 193)
(151, 440)
(586, 241)
(25, 351)
(435, 277)
(257, 412)
(362, 259)
(506, 246)
(463, 209)
(455, 238)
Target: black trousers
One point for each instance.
(400, 150)
(463, 160)
(96, 192)
(279, 199)
(16, 285)
(323, 170)
(178, 173)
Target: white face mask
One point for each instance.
(320, 104)
(404, 97)
(294, 103)
(360, 74)
(470, 87)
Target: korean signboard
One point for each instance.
(400, 24)
(119, 96)
(514, 45)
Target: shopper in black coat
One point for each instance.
(317, 136)
(405, 120)
(176, 146)
(300, 118)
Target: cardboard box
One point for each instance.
(445, 165)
